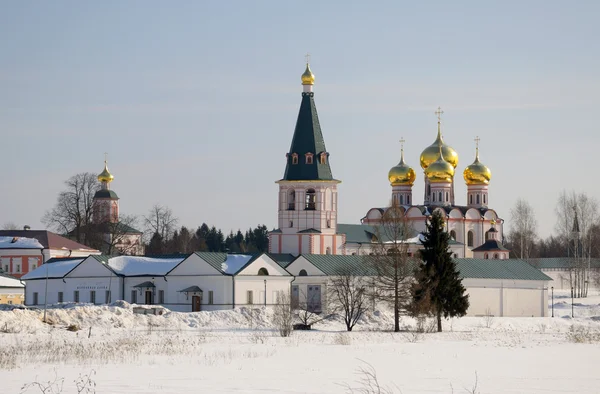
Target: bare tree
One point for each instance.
(10, 226)
(119, 237)
(161, 220)
(577, 215)
(390, 262)
(74, 207)
(310, 309)
(523, 231)
(283, 316)
(348, 294)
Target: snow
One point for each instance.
(10, 282)
(55, 269)
(135, 265)
(234, 263)
(238, 351)
(20, 243)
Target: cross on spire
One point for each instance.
(402, 141)
(439, 113)
(477, 139)
(105, 157)
(307, 57)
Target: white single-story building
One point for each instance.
(507, 287)
(12, 291)
(560, 269)
(191, 282)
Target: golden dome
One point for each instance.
(440, 170)
(431, 153)
(401, 174)
(105, 176)
(477, 173)
(308, 78)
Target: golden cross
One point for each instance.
(439, 113)
(477, 139)
(307, 56)
(402, 141)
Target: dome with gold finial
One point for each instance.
(440, 170)
(477, 173)
(402, 173)
(430, 154)
(308, 78)
(105, 176)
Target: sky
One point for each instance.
(196, 101)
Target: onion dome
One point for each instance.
(308, 78)
(440, 170)
(430, 154)
(477, 173)
(105, 176)
(401, 174)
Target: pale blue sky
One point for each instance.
(196, 101)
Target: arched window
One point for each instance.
(440, 196)
(484, 199)
(302, 273)
(294, 158)
(470, 199)
(408, 199)
(309, 158)
(291, 200)
(433, 197)
(470, 238)
(496, 256)
(485, 256)
(453, 235)
(328, 250)
(478, 199)
(401, 200)
(447, 197)
(263, 272)
(323, 157)
(311, 200)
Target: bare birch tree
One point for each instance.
(282, 314)
(348, 294)
(577, 215)
(161, 220)
(390, 261)
(73, 212)
(523, 232)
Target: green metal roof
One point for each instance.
(490, 245)
(309, 231)
(331, 264)
(357, 233)
(283, 259)
(559, 263)
(215, 259)
(308, 138)
(499, 269)
(103, 193)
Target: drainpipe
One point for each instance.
(233, 292)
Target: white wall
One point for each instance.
(507, 297)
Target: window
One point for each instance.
(211, 298)
(470, 199)
(294, 158)
(291, 223)
(9, 302)
(107, 297)
(249, 297)
(496, 256)
(328, 250)
(161, 296)
(433, 197)
(401, 200)
(470, 238)
(295, 295)
(309, 158)
(60, 296)
(328, 223)
(35, 298)
(311, 199)
(292, 200)
(133, 297)
(455, 255)
(408, 199)
(76, 296)
(447, 197)
(92, 296)
(33, 266)
(18, 268)
(440, 196)
(485, 256)
(302, 273)
(453, 235)
(323, 157)
(478, 199)
(263, 272)
(484, 199)
(5, 267)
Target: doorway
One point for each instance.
(196, 303)
(148, 297)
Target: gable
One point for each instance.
(90, 267)
(266, 262)
(194, 265)
(301, 263)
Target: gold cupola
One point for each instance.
(440, 170)
(401, 174)
(308, 78)
(105, 176)
(430, 154)
(477, 173)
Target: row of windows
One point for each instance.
(327, 223)
(308, 158)
(477, 199)
(470, 237)
(107, 296)
(18, 268)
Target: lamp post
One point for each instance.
(46, 293)
(552, 300)
(572, 309)
(265, 292)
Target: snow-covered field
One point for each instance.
(238, 352)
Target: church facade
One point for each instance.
(308, 198)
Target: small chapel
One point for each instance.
(308, 197)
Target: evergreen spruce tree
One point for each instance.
(437, 277)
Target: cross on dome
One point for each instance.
(307, 57)
(439, 113)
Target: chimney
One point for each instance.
(26, 227)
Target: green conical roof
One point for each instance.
(308, 139)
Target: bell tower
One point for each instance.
(106, 201)
(307, 207)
